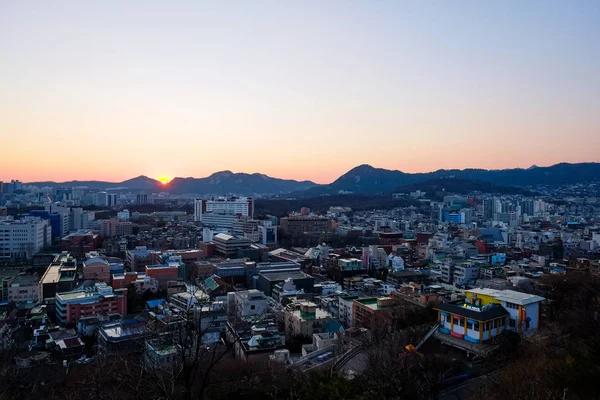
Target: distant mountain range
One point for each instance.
(363, 179)
(371, 180)
(224, 182)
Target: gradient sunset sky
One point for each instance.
(110, 90)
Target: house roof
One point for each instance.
(485, 315)
(510, 296)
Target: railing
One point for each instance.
(427, 336)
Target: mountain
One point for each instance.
(223, 182)
(241, 183)
(368, 179)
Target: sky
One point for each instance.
(309, 89)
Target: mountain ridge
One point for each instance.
(363, 178)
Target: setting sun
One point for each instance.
(164, 180)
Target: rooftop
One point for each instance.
(282, 276)
(509, 296)
(486, 313)
(374, 304)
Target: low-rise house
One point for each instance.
(255, 341)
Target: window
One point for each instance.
(253, 307)
(461, 322)
(512, 323)
(512, 305)
(469, 325)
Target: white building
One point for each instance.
(247, 303)
(23, 288)
(123, 215)
(345, 310)
(227, 205)
(105, 199)
(80, 219)
(21, 239)
(524, 309)
(395, 262)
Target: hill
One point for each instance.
(223, 182)
(240, 183)
(368, 179)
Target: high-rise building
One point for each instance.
(22, 238)
(104, 199)
(488, 208)
(527, 207)
(243, 206)
(142, 198)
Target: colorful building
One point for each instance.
(485, 313)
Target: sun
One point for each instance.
(164, 180)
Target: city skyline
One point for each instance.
(293, 90)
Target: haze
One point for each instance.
(303, 90)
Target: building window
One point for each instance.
(512, 323)
(512, 305)
(469, 325)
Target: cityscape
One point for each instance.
(298, 201)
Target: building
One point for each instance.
(137, 259)
(81, 242)
(485, 313)
(21, 239)
(447, 273)
(141, 198)
(227, 245)
(122, 336)
(140, 281)
(256, 339)
(96, 269)
(81, 219)
(298, 226)
(162, 356)
(163, 274)
(60, 276)
(247, 303)
(114, 227)
(303, 318)
(346, 309)
(267, 233)
(22, 288)
(104, 199)
(123, 215)
(350, 264)
(372, 312)
(242, 206)
(464, 273)
(64, 214)
(268, 279)
(99, 299)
